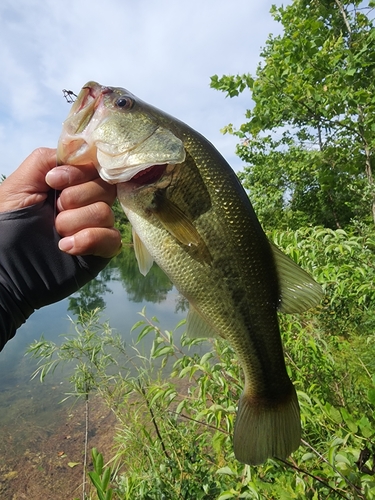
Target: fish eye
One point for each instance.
(124, 102)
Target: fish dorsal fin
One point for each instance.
(143, 256)
(197, 327)
(298, 290)
(175, 221)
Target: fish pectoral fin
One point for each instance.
(178, 224)
(142, 255)
(197, 327)
(175, 221)
(298, 290)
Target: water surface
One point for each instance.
(29, 409)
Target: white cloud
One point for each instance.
(161, 50)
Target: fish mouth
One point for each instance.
(73, 146)
(87, 103)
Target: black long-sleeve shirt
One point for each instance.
(34, 272)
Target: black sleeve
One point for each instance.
(33, 271)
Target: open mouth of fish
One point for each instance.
(84, 107)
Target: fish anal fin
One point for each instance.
(143, 256)
(264, 430)
(197, 327)
(298, 290)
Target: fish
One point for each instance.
(190, 214)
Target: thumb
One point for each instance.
(26, 185)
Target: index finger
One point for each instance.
(65, 176)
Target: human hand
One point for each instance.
(84, 219)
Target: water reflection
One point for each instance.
(153, 287)
(124, 268)
(90, 297)
(122, 292)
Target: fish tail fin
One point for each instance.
(265, 430)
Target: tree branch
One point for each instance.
(343, 13)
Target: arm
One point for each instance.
(50, 245)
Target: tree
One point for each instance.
(309, 139)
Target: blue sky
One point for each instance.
(163, 51)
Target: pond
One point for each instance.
(29, 409)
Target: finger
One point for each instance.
(69, 222)
(86, 194)
(64, 176)
(102, 242)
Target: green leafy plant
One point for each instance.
(176, 412)
(308, 140)
(100, 476)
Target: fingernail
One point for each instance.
(66, 244)
(57, 178)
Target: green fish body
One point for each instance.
(191, 216)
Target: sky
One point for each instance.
(163, 51)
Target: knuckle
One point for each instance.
(66, 199)
(102, 214)
(38, 152)
(103, 242)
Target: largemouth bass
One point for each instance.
(190, 214)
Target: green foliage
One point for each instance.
(197, 416)
(309, 139)
(343, 262)
(121, 222)
(90, 347)
(176, 409)
(100, 476)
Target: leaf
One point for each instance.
(105, 478)
(162, 351)
(226, 470)
(371, 396)
(334, 413)
(73, 464)
(226, 495)
(145, 331)
(97, 483)
(98, 464)
(308, 456)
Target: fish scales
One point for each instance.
(250, 278)
(237, 292)
(190, 214)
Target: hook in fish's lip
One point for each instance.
(83, 109)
